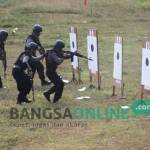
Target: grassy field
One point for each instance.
(130, 19)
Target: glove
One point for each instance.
(71, 55)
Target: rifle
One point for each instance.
(76, 54)
(30, 74)
(32, 87)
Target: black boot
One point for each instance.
(22, 99)
(26, 100)
(47, 95)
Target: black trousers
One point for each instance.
(23, 84)
(1, 83)
(38, 66)
(58, 85)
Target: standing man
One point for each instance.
(54, 58)
(37, 66)
(3, 38)
(21, 66)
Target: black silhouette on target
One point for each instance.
(118, 56)
(73, 45)
(92, 47)
(147, 62)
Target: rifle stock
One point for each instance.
(32, 87)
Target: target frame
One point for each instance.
(118, 66)
(94, 69)
(145, 70)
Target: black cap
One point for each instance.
(32, 46)
(59, 44)
(3, 34)
(37, 28)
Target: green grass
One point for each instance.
(6, 3)
(145, 4)
(129, 18)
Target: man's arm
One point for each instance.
(41, 49)
(4, 60)
(38, 58)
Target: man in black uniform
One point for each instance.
(54, 58)
(3, 38)
(22, 65)
(37, 66)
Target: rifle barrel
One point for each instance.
(77, 54)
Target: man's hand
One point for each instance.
(30, 73)
(41, 50)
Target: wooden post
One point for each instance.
(99, 77)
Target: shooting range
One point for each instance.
(93, 53)
(75, 60)
(145, 75)
(118, 66)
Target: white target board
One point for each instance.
(118, 61)
(145, 79)
(92, 48)
(74, 47)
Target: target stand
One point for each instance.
(76, 70)
(93, 65)
(94, 78)
(118, 67)
(118, 84)
(74, 79)
(145, 75)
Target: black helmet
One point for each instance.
(3, 34)
(59, 44)
(32, 46)
(37, 28)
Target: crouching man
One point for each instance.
(22, 71)
(55, 57)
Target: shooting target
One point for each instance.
(92, 47)
(145, 68)
(117, 72)
(73, 47)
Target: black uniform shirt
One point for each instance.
(53, 59)
(22, 60)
